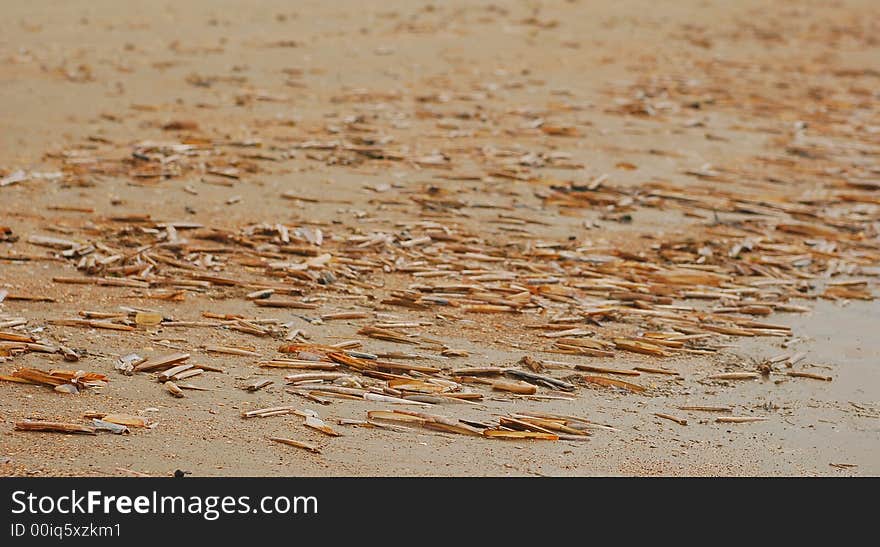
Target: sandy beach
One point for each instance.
(671, 212)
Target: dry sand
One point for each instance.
(95, 77)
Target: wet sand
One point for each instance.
(92, 78)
